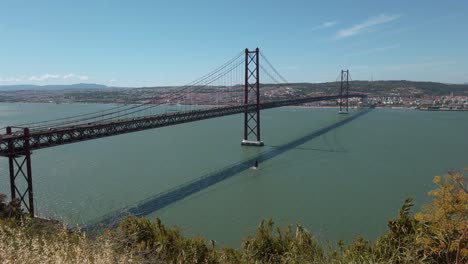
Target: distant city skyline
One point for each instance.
(156, 43)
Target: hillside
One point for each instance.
(402, 88)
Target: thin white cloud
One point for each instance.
(366, 25)
(10, 80)
(326, 24)
(329, 24)
(68, 76)
(48, 77)
(44, 78)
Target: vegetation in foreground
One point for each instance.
(437, 234)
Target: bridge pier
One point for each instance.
(20, 169)
(252, 89)
(344, 92)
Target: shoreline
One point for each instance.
(292, 106)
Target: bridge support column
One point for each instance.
(252, 99)
(344, 92)
(19, 164)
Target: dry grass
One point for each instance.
(19, 245)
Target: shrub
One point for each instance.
(444, 222)
(438, 234)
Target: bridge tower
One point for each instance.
(344, 92)
(19, 164)
(252, 99)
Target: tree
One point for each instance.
(444, 228)
(11, 209)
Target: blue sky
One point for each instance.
(150, 43)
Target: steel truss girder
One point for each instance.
(39, 139)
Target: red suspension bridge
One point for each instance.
(237, 81)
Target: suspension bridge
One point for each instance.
(236, 89)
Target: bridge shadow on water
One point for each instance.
(314, 149)
(164, 199)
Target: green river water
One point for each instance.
(346, 182)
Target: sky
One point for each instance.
(156, 43)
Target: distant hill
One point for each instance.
(398, 88)
(52, 87)
(429, 88)
(403, 88)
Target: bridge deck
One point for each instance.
(14, 144)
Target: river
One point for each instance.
(340, 184)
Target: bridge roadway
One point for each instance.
(15, 144)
